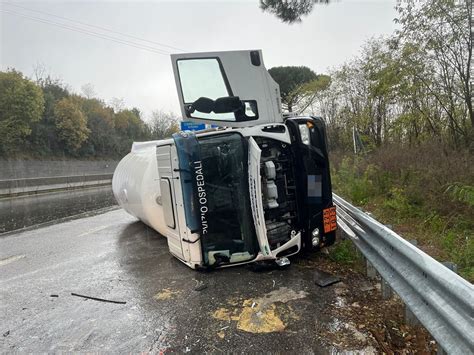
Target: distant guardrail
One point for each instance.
(29, 186)
(439, 298)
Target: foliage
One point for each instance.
(163, 125)
(21, 104)
(408, 189)
(293, 83)
(438, 37)
(44, 140)
(71, 123)
(461, 193)
(45, 119)
(408, 88)
(289, 11)
(102, 139)
(343, 252)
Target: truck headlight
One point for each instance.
(315, 237)
(304, 133)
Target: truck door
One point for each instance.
(231, 89)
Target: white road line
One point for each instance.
(90, 231)
(11, 259)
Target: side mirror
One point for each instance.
(228, 104)
(229, 108)
(203, 104)
(221, 105)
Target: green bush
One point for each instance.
(425, 197)
(343, 252)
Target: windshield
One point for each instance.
(228, 228)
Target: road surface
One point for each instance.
(113, 256)
(25, 211)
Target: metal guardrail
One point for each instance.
(441, 300)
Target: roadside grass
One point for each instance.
(345, 252)
(429, 198)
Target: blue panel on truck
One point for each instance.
(187, 148)
(191, 126)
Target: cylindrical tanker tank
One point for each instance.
(136, 184)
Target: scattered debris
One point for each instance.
(165, 294)
(323, 279)
(221, 334)
(363, 322)
(200, 286)
(367, 287)
(97, 299)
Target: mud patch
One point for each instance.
(165, 294)
(266, 314)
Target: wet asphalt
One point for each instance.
(25, 211)
(113, 256)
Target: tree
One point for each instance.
(102, 139)
(309, 94)
(43, 139)
(130, 128)
(289, 11)
(292, 81)
(88, 90)
(21, 104)
(117, 103)
(71, 123)
(163, 125)
(439, 32)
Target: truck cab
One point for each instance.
(256, 187)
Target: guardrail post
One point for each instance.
(451, 266)
(387, 291)
(371, 272)
(410, 318)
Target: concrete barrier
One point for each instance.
(24, 169)
(30, 186)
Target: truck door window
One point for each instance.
(203, 77)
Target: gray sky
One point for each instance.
(328, 37)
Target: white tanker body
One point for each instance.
(135, 188)
(258, 191)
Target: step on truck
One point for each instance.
(254, 188)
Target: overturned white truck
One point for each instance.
(256, 188)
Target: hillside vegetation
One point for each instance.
(44, 119)
(400, 127)
(427, 196)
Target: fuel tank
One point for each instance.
(136, 184)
